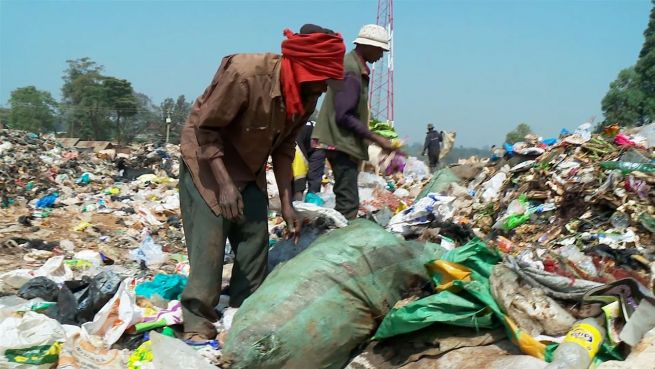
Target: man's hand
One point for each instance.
(384, 143)
(294, 223)
(230, 202)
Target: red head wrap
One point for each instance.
(309, 58)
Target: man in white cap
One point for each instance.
(342, 125)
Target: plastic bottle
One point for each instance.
(579, 346)
(620, 220)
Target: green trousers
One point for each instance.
(205, 235)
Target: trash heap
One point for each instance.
(545, 254)
(91, 244)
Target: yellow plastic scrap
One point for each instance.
(113, 191)
(140, 356)
(82, 226)
(449, 273)
(526, 343)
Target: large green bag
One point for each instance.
(315, 309)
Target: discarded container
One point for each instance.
(579, 347)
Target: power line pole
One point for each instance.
(168, 126)
(382, 99)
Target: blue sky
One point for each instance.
(475, 67)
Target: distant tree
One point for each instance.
(145, 125)
(121, 100)
(32, 110)
(645, 67)
(630, 100)
(178, 110)
(84, 101)
(518, 133)
(624, 102)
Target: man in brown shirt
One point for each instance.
(253, 109)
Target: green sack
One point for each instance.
(315, 309)
(439, 182)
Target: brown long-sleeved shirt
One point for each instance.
(241, 118)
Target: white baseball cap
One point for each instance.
(374, 35)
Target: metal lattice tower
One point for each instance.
(381, 98)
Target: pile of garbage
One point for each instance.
(542, 254)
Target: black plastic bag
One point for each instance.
(287, 249)
(39, 287)
(79, 301)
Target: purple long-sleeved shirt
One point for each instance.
(345, 106)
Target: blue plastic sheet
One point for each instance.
(47, 201)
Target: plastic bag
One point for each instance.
(30, 341)
(149, 253)
(47, 201)
(120, 313)
(312, 212)
(153, 319)
(39, 287)
(170, 353)
(416, 168)
(492, 187)
(84, 179)
(471, 262)
(423, 211)
(166, 286)
(78, 353)
(299, 166)
(79, 301)
(319, 306)
(287, 249)
(584, 262)
(370, 180)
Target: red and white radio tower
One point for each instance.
(382, 73)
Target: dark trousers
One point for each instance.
(345, 170)
(433, 157)
(316, 168)
(205, 235)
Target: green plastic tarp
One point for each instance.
(439, 182)
(469, 308)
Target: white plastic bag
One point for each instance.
(370, 180)
(109, 324)
(149, 252)
(78, 353)
(492, 187)
(91, 256)
(54, 268)
(437, 205)
(31, 341)
(169, 353)
(312, 211)
(415, 168)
